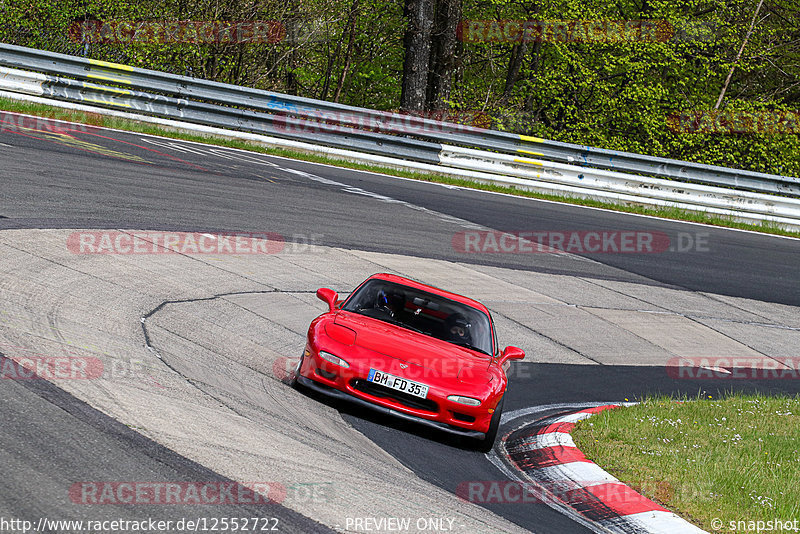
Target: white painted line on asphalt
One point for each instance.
(575, 417)
(383, 198)
(220, 132)
(580, 474)
(219, 153)
(550, 439)
(250, 157)
(522, 412)
(173, 146)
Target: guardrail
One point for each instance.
(576, 170)
(321, 112)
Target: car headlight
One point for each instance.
(469, 401)
(328, 357)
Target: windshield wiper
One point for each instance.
(469, 346)
(386, 318)
(402, 324)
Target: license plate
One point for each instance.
(397, 383)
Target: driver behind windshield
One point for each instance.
(390, 302)
(458, 329)
(386, 302)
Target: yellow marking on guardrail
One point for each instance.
(528, 161)
(126, 81)
(529, 152)
(531, 139)
(108, 102)
(89, 85)
(109, 65)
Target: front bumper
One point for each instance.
(338, 394)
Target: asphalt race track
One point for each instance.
(728, 292)
(146, 185)
(44, 449)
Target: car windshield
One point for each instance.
(423, 312)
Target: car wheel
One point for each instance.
(487, 443)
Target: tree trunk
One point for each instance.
(349, 54)
(417, 44)
(738, 56)
(515, 62)
(512, 75)
(443, 53)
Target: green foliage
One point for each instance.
(620, 95)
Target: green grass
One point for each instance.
(95, 119)
(736, 458)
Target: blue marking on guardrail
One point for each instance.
(276, 103)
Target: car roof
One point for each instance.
(431, 289)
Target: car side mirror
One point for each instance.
(328, 295)
(511, 353)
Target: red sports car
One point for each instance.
(412, 351)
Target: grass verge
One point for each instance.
(97, 119)
(711, 461)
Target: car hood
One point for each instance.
(403, 344)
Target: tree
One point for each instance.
(443, 60)
(417, 43)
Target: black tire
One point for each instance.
(487, 443)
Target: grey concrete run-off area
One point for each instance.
(226, 328)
